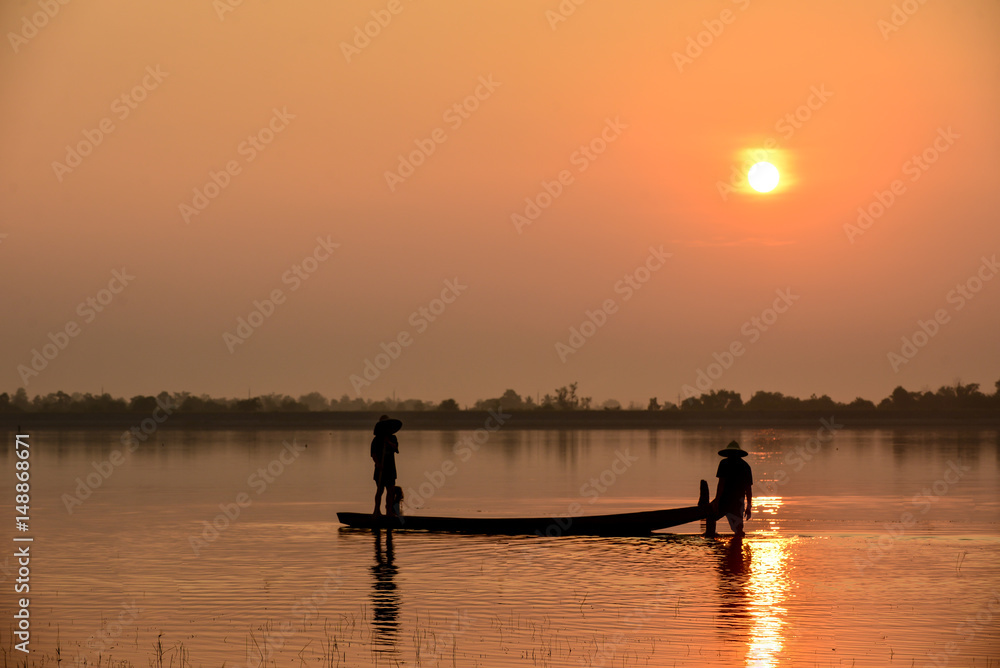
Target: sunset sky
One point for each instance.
(204, 150)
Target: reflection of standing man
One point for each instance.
(735, 481)
(385, 596)
(384, 449)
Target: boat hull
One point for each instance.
(622, 524)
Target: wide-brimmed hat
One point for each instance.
(386, 426)
(733, 449)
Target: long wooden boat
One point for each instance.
(622, 524)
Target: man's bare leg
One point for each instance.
(378, 500)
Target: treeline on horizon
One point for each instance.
(947, 399)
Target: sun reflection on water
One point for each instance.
(753, 587)
(767, 589)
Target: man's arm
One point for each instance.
(749, 500)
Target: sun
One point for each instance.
(763, 177)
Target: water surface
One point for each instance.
(867, 548)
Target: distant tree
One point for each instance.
(772, 401)
(721, 400)
(270, 402)
(165, 400)
(142, 404)
(102, 403)
(251, 405)
(997, 386)
(691, 404)
(566, 397)
(567, 400)
(54, 402)
(901, 398)
(20, 400)
(729, 399)
(823, 403)
(861, 404)
(315, 401)
(203, 404)
(346, 403)
(192, 405)
(957, 397)
(970, 391)
(946, 392)
(290, 405)
(511, 401)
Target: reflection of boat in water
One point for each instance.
(621, 524)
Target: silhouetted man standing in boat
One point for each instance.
(384, 449)
(735, 481)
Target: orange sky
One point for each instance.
(532, 91)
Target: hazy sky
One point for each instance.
(203, 150)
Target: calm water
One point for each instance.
(867, 548)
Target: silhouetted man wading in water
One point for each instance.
(735, 481)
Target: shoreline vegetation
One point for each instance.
(957, 405)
